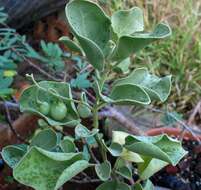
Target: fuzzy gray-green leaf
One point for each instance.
(91, 27)
(46, 139)
(12, 155)
(156, 88)
(127, 22)
(129, 44)
(44, 170)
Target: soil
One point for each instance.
(187, 174)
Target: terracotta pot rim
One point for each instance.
(175, 132)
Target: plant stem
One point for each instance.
(95, 117)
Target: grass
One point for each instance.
(179, 55)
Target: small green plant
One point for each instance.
(53, 158)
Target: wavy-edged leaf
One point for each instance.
(52, 92)
(103, 170)
(131, 156)
(127, 22)
(115, 149)
(12, 155)
(148, 185)
(149, 167)
(82, 132)
(97, 89)
(91, 27)
(72, 46)
(129, 44)
(67, 145)
(129, 94)
(113, 185)
(160, 147)
(34, 168)
(123, 66)
(125, 172)
(126, 94)
(119, 137)
(46, 139)
(71, 171)
(157, 88)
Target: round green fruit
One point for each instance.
(44, 108)
(83, 111)
(58, 111)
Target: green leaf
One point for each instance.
(6, 91)
(67, 145)
(71, 171)
(86, 153)
(148, 185)
(53, 92)
(160, 147)
(103, 170)
(119, 137)
(156, 88)
(113, 185)
(70, 44)
(46, 139)
(5, 82)
(137, 186)
(131, 156)
(125, 172)
(129, 94)
(82, 132)
(81, 81)
(123, 66)
(149, 167)
(51, 55)
(91, 27)
(127, 22)
(97, 89)
(128, 44)
(115, 149)
(12, 155)
(34, 168)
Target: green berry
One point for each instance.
(83, 111)
(58, 111)
(44, 108)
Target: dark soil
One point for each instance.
(186, 175)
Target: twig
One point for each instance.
(92, 154)
(122, 119)
(30, 62)
(10, 105)
(85, 181)
(9, 121)
(196, 110)
(182, 123)
(35, 66)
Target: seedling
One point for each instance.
(52, 158)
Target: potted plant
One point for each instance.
(52, 157)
